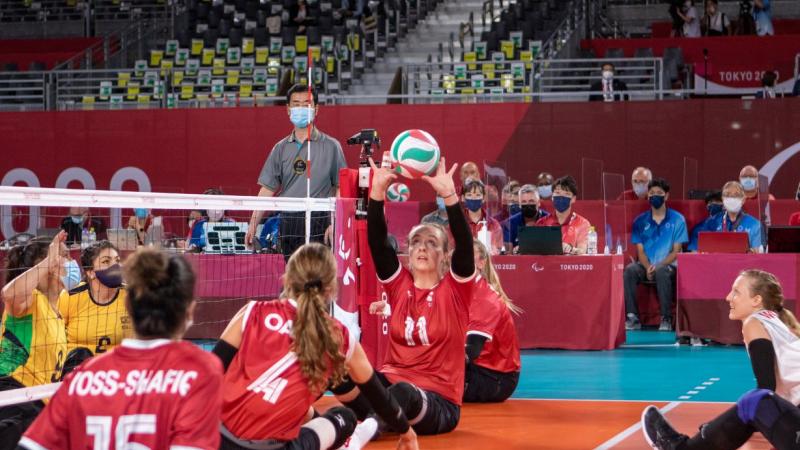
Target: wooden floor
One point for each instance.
(558, 424)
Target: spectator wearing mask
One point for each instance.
(574, 228)
(714, 206)
(530, 213)
(544, 184)
(715, 22)
(474, 193)
(794, 219)
(748, 177)
(439, 216)
(198, 225)
(78, 219)
(691, 19)
(611, 88)
(768, 85)
(762, 15)
(508, 201)
(659, 235)
(140, 221)
(736, 220)
(640, 178)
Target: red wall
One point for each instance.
(49, 51)
(191, 149)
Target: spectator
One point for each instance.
(677, 21)
(79, 219)
(140, 221)
(748, 177)
(198, 221)
(300, 16)
(659, 235)
(574, 228)
(469, 170)
(691, 20)
(735, 219)
(746, 25)
(544, 184)
(530, 213)
(794, 219)
(472, 198)
(508, 201)
(715, 22)
(762, 15)
(714, 205)
(285, 170)
(269, 238)
(439, 216)
(640, 178)
(610, 86)
(768, 85)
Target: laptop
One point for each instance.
(123, 238)
(540, 241)
(723, 242)
(783, 239)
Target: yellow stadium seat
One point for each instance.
(87, 99)
(166, 66)
(207, 57)
(187, 91)
(246, 89)
(301, 43)
(232, 77)
(218, 68)
(470, 57)
(143, 98)
(507, 47)
(133, 90)
(248, 46)
(488, 70)
(197, 47)
(177, 77)
(261, 55)
(155, 57)
(123, 78)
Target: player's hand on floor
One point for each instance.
(408, 441)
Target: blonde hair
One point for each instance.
(437, 229)
(309, 279)
(734, 184)
(491, 277)
(767, 286)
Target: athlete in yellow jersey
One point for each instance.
(33, 344)
(94, 312)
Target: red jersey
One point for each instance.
(490, 317)
(575, 231)
(266, 396)
(156, 394)
(427, 332)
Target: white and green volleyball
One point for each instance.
(415, 153)
(398, 192)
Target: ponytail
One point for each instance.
(494, 280)
(310, 279)
(788, 319)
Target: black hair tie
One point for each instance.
(316, 283)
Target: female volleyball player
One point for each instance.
(771, 336)
(281, 355)
(94, 311)
(33, 343)
(430, 308)
(153, 391)
(492, 348)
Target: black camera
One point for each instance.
(366, 138)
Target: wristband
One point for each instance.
(448, 196)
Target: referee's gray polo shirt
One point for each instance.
(285, 168)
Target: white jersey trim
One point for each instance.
(30, 444)
(142, 344)
(183, 447)
(248, 309)
(351, 345)
(463, 280)
(480, 333)
(394, 275)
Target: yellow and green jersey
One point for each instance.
(90, 325)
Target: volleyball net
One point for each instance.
(73, 314)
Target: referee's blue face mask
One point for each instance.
(301, 116)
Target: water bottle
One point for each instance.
(606, 250)
(591, 247)
(85, 238)
(92, 236)
(619, 247)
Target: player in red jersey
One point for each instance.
(151, 392)
(492, 348)
(430, 308)
(281, 355)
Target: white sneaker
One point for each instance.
(363, 433)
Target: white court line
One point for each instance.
(648, 402)
(631, 429)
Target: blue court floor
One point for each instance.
(649, 367)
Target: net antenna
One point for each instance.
(310, 140)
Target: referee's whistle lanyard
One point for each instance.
(727, 225)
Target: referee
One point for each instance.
(284, 172)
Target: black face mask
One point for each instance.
(530, 211)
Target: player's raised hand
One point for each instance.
(442, 182)
(382, 177)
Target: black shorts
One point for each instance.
(15, 419)
(482, 385)
(306, 440)
(293, 229)
(440, 415)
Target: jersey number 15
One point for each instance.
(99, 427)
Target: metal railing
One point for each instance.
(644, 76)
(452, 77)
(62, 10)
(24, 91)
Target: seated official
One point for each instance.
(659, 235)
(714, 206)
(439, 216)
(733, 219)
(94, 311)
(79, 219)
(530, 212)
(474, 193)
(574, 228)
(197, 226)
(508, 201)
(270, 233)
(140, 221)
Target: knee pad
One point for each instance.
(344, 423)
(409, 398)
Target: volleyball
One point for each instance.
(415, 153)
(398, 192)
